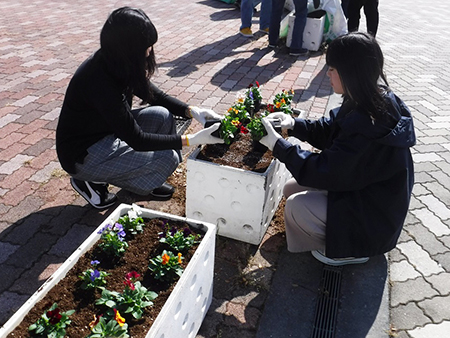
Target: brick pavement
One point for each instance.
(204, 62)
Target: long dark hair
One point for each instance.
(358, 59)
(124, 39)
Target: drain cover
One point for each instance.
(328, 303)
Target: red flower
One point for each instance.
(130, 284)
(54, 316)
(132, 275)
(257, 83)
(270, 107)
(244, 130)
(250, 85)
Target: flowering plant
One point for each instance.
(132, 222)
(52, 323)
(166, 266)
(113, 239)
(115, 326)
(241, 117)
(282, 102)
(133, 300)
(93, 278)
(178, 240)
(253, 98)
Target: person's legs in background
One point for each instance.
(275, 21)
(354, 14)
(247, 8)
(344, 5)
(372, 16)
(264, 15)
(301, 12)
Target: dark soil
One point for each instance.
(68, 294)
(243, 153)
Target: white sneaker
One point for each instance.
(337, 261)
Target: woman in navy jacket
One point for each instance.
(348, 201)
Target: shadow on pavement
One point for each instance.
(291, 306)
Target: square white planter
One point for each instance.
(312, 35)
(240, 202)
(186, 307)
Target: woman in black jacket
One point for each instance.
(348, 201)
(100, 139)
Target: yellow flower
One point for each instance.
(235, 123)
(119, 319)
(240, 100)
(278, 104)
(165, 259)
(179, 258)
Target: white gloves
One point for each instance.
(272, 136)
(202, 115)
(204, 136)
(286, 120)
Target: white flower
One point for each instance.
(134, 212)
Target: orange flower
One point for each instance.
(179, 258)
(283, 101)
(165, 259)
(119, 319)
(95, 321)
(278, 104)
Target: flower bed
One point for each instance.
(179, 306)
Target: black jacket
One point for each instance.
(96, 105)
(366, 168)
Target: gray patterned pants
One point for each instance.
(113, 161)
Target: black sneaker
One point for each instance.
(96, 194)
(164, 191)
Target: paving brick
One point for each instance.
(431, 330)
(409, 316)
(12, 302)
(411, 290)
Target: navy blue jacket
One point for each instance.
(367, 169)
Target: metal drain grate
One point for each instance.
(328, 303)
(181, 124)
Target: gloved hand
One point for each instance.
(204, 136)
(286, 120)
(202, 115)
(272, 136)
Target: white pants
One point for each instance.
(305, 216)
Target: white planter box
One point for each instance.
(240, 202)
(312, 35)
(184, 310)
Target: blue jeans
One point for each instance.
(247, 13)
(301, 11)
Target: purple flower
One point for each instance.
(94, 275)
(173, 231)
(95, 262)
(186, 232)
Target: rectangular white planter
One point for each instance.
(240, 202)
(186, 307)
(312, 35)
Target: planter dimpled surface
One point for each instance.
(186, 307)
(240, 202)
